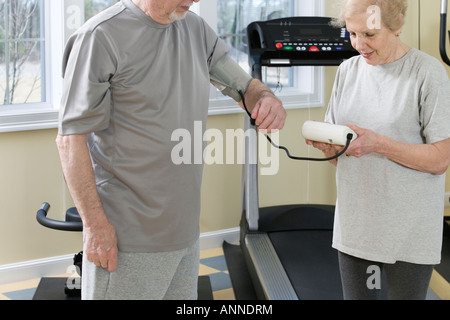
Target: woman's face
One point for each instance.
(376, 45)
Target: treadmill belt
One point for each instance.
(310, 262)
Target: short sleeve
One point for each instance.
(216, 48)
(86, 101)
(435, 104)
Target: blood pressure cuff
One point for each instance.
(229, 78)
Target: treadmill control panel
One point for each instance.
(311, 37)
(300, 38)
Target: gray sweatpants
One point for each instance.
(144, 276)
(361, 279)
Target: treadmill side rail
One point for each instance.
(250, 176)
(274, 280)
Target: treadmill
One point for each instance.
(287, 249)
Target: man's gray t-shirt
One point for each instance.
(133, 82)
(386, 212)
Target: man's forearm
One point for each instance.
(80, 179)
(100, 244)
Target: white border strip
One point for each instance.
(34, 269)
(213, 240)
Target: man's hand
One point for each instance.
(269, 113)
(100, 246)
(265, 108)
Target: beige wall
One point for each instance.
(30, 174)
(30, 171)
(429, 40)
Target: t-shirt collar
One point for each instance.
(142, 16)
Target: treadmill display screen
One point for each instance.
(311, 32)
(301, 35)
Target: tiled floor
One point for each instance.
(212, 263)
(19, 291)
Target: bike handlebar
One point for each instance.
(41, 217)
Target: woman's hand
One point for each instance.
(366, 143)
(329, 150)
(431, 158)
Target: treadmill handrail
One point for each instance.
(250, 178)
(443, 32)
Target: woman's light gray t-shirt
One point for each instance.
(132, 82)
(386, 212)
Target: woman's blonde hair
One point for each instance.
(392, 11)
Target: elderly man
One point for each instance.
(132, 75)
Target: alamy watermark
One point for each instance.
(212, 146)
(374, 280)
(374, 19)
(73, 282)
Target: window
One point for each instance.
(21, 52)
(32, 38)
(92, 7)
(23, 69)
(33, 34)
(297, 87)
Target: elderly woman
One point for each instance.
(389, 211)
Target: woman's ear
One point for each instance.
(402, 23)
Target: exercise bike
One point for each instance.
(51, 288)
(72, 284)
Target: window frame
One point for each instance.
(44, 115)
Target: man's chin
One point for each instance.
(175, 16)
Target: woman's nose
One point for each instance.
(358, 43)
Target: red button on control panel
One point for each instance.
(314, 49)
(279, 45)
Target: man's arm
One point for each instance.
(100, 245)
(264, 107)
